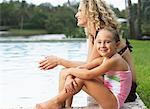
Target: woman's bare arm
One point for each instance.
(93, 54)
(51, 62)
(90, 48)
(68, 63)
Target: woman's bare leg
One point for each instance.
(57, 102)
(62, 78)
(96, 89)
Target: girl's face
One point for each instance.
(81, 16)
(106, 44)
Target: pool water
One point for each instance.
(22, 83)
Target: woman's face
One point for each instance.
(81, 16)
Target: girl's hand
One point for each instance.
(49, 62)
(70, 85)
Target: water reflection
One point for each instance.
(22, 84)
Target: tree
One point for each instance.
(22, 13)
(130, 20)
(145, 13)
(9, 13)
(119, 14)
(138, 30)
(145, 8)
(61, 20)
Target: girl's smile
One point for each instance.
(106, 45)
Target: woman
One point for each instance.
(92, 15)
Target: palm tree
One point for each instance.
(146, 10)
(138, 32)
(130, 20)
(22, 14)
(69, 2)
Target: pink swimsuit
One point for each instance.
(119, 82)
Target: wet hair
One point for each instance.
(114, 32)
(100, 14)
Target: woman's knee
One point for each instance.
(82, 81)
(62, 74)
(78, 80)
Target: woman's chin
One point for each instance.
(80, 25)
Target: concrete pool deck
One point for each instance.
(138, 104)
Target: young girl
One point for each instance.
(113, 90)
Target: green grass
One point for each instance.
(141, 57)
(26, 32)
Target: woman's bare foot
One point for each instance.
(38, 106)
(49, 105)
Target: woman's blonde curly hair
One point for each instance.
(100, 14)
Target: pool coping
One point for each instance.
(43, 40)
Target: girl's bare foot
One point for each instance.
(49, 105)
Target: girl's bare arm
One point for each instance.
(90, 74)
(94, 63)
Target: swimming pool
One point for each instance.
(22, 83)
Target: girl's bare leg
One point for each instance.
(96, 89)
(101, 94)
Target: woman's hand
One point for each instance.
(70, 85)
(68, 71)
(49, 62)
